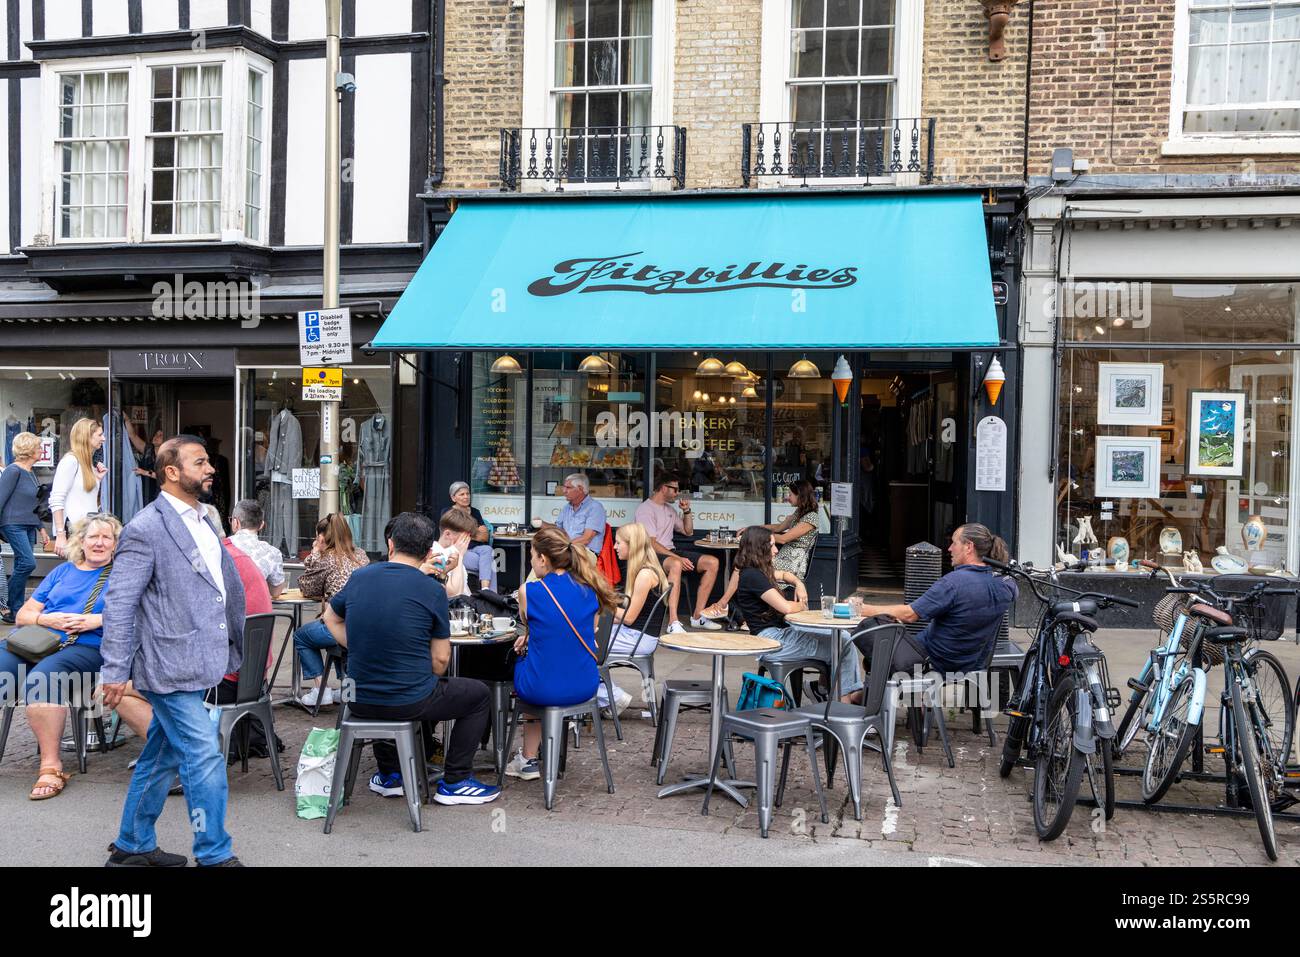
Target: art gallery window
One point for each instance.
(1176, 426)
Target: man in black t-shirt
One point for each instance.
(392, 618)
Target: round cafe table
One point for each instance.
(728, 549)
(814, 621)
(720, 645)
(523, 540)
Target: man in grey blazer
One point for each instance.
(174, 625)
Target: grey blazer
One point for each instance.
(166, 626)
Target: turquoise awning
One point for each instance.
(800, 272)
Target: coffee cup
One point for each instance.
(502, 624)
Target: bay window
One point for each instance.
(92, 149)
(185, 150)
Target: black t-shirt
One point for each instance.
(749, 596)
(392, 612)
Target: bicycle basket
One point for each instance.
(1265, 617)
(1211, 654)
(1167, 611)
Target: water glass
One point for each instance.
(828, 606)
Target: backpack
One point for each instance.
(759, 692)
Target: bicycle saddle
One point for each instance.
(1210, 612)
(1083, 621)
(1084, 606)
(1226, 636)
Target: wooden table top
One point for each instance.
(714, 543)
(718, 643)
(293, 596)
(816, 620)
(496, 639)
(516, 537)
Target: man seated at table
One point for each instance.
(582, 518)
(392, 618)
(657, 515)
(246, 522)
(964, 609)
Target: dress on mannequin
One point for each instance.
(122, 476)
(372, 459)
(283, 455)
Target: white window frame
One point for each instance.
(539, 79)
(1209, 144)
(774, 88)
(264, 175)
(235, 63)
(60, 140)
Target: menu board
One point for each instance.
(991, 455)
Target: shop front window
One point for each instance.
(498, 431)
(715, 408)
(280, 451)
(585, 417)
(803, 417)
(1179, 452)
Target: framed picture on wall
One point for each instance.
(1129, 393)
(1216, 430)
(1166, 437)
(1127, 468)
(1167, 415)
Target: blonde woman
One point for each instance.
(69, 602)
(75, 492)
(18, 521)
(646, 582)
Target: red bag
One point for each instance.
(607, 560)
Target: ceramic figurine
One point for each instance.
(1117, 549)
(1086, 535)
(1096, 556)
(1226, 563)
(1192, 563)
(1063, 557)
(1171, 540)
(1253, 533)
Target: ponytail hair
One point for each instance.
(577, 560)
(987, 545)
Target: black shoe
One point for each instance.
(228, 862)
(176, 788)
(8, 618)
(155, 858)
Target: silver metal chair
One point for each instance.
(643, 663)
(682, 696)
(783, 671)
(354, 734)
(848, 726)
(768, 728)
(253, 694)
(81, 714)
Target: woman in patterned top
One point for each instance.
(327, 569)
(795, 537)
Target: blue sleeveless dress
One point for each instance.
(558, 671)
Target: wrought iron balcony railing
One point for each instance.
(852, 150)
(591, 155)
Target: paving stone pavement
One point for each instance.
(964, 814)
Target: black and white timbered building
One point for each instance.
(163, 222)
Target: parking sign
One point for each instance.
(325, 336)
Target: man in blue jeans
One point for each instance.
(174, 625)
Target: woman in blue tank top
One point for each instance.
(557, 664)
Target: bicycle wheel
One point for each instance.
(1274, 701)
(1167, 748)
(1058, 771)
(1017, 728)
(1248, 747)
(1134, 716)
(1106, 799)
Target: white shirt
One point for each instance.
(204, 537)
(444, 552)
(69, 493)
(265, 556)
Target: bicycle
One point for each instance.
(1061, 709)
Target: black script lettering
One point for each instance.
(701, 275)
(749, 272)
(667, 279)
(725, 275)
(598, 267)
(773, 271)
(645, 273)
(795, 274)
(817, 275)
(845, 276)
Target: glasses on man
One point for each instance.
(673, 488)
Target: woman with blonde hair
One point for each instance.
(75, 491)
(326, 570)
(636, 628)
(18, 521)
(557, 665)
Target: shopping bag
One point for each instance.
(316, 773)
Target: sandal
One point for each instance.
(61, 777)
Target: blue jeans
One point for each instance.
(52, 679)
(22, 539)
(181, 737)
(308, 642)
(480, 561)
(797, 644)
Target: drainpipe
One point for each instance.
(1029, 64)
(439, 80)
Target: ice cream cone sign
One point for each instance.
(994, 380)
(842, 378)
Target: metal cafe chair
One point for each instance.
(253, 693)
(354, 734)
(82, 712)
(643, 663)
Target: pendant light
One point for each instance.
(507, 364)
(749, 392)
(710, 366)
(594, 364)
(804, 369)
(736, 369)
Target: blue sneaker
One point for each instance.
(389, 786)
(467, 791)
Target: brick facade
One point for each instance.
(979, 105)
(483, 62)
(1101, 83)
(716, 67)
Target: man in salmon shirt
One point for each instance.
(257, 601)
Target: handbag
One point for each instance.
(42, 509)
(32, 643)
(759, 692)
(566, 618)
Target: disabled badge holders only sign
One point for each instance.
(325, 336)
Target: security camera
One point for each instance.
(345, 83)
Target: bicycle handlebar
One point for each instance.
(1034, 579)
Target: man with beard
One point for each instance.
(173, 625)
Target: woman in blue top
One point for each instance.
(557, 666)
(69, 602)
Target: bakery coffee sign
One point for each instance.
(625, 273)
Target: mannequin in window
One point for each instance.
(283, 455)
